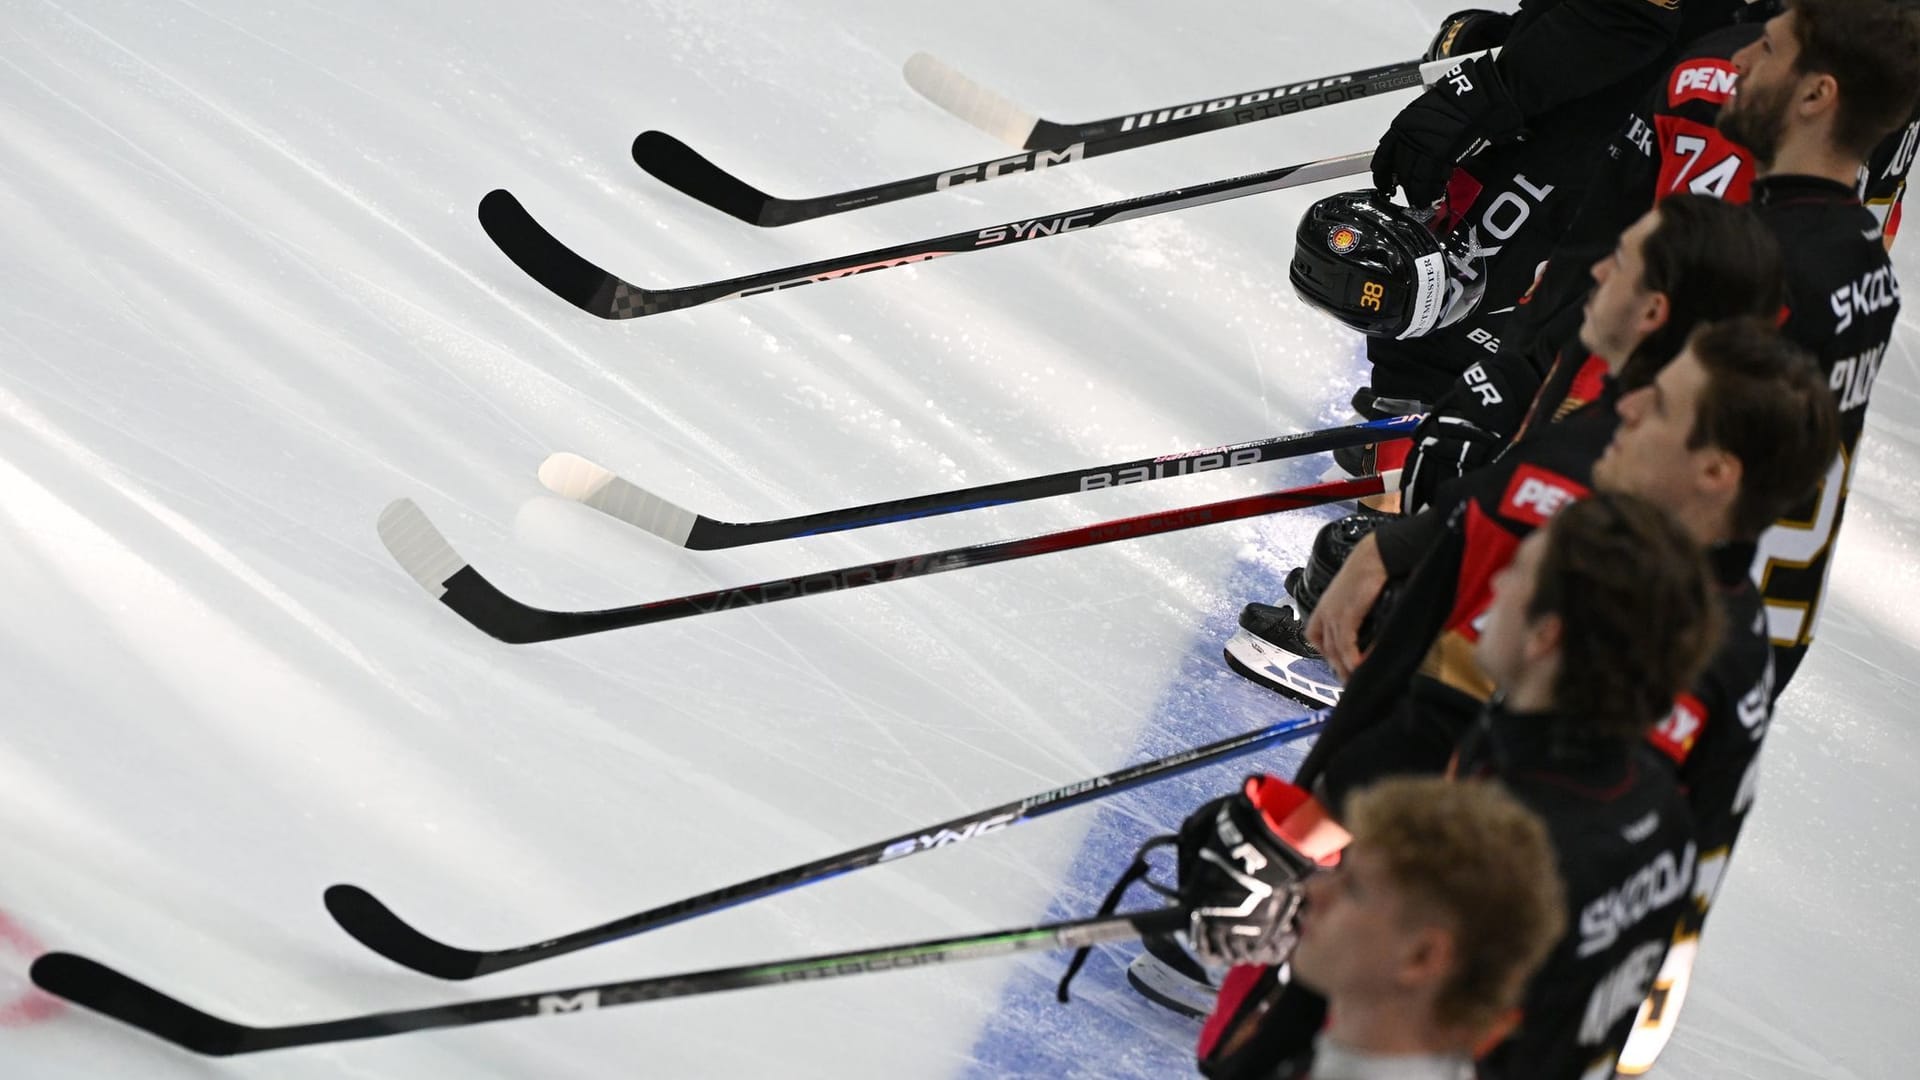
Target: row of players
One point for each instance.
(1566, 602)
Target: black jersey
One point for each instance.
(1420, 671)
(1713, 739)
(1623, 844)
(1573, 67)
(1843, 303)
(1883, 179)
(1623, 841)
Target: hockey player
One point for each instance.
(1444, 903)
(1823, 83)
(1725, 435)
(1596, 623)
(1746, 426)
(1505, 145)
(1689, 261)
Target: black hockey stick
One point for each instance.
(425, 554)
(373, 923)
(104, 990)
(993, 113)
(574, 477)
(680, 167)
(593, 290)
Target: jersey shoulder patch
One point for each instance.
(1535, 494)
(1708, 78)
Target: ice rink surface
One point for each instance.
(244, 302)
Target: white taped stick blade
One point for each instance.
(418, 547)
(938, 82)
(574, 477)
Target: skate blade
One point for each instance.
(1304, 679)
(1168, 989)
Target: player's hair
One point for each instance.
(1713, 260)
(1472, 858)
(1766, 404)
(1637, 615)
(1872, 50)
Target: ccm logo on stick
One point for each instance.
(1018, 163)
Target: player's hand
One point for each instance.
(1469, 107)
(1334, 627)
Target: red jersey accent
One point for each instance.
(1676, 735)
(1709, 79)
(1240, 982)
(1488, 548)
(1588, 384)
(1696, 157)
(1536, 494)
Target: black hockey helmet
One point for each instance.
(1381, 268)
(1331, 546)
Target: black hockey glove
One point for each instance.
(1470, 426)
(1469, 31)
(1241, 864)
(1468, 108)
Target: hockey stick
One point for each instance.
(576, 478)
(684, 169)
(425, 554)
(105, 990)
(597, 292)
(998, 116)
(373, 923)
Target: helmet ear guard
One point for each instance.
(1381, 269)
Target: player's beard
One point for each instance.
(1756, 119)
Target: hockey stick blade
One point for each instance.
(574, 477)
(132, 1002)
(96, 986)
(370, 922)
(995, 114)
(680, 167)
(425, 554)
(593, 290)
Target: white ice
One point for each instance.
(244, 302)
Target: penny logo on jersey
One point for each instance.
(1709, 80)
(1535, 494)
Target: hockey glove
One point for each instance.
(1470, 426)
(1469, 31)
(1242, 859)
(1445, 448)
(1467, 109)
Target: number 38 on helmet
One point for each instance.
(1384, 269)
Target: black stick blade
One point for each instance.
(545, 259)
(681, 168)
(374, 925)
(98, 987)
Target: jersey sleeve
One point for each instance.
(1883, 182)
(1580, 47)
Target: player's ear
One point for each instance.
(1543, 636)
(1655, 313)
(1721, 473)
(1819, 93)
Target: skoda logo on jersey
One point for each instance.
(1342, 240)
